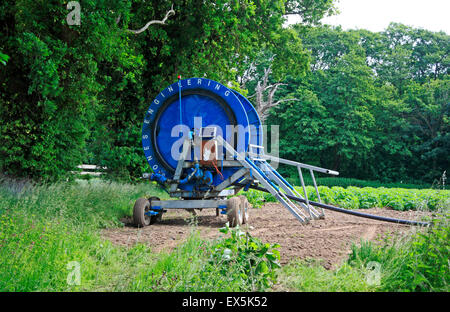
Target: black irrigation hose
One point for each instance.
(347, 211)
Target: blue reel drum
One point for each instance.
(202, 103)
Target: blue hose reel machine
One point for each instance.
(204, 142)
(199, 103)
(183, 125)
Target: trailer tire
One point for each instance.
(245, 209)
(141, 206)
(234, 211)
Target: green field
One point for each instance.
(45, 228)
(366, 197)
(105, 87)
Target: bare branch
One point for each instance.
(248, 74)
(169, 13)
(265, 90)
(274, 88)
(284, 100)
(267, 72)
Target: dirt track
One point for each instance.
(329, 239)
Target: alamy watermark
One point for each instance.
(74, 276)
(237, 136)
(373, 275)
(74, 16)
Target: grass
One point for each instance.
(93, 203)
(415, 262)
(44, 228)
(310, 276)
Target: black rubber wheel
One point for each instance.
(141, 206)
(245, 208)
(158, 217)
(234, 211)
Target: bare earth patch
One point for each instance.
(329, 239)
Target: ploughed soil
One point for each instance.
(328, 240)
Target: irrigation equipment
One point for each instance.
(204, 142)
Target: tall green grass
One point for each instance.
(415, 262)
(45, 228)
(311, 276)
(82, 203)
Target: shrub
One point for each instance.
(244, 257)
(368, 197)
(236, 263)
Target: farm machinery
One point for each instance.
(204, 143)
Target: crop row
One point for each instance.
(366, 197)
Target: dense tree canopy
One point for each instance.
(74, 93)
(379, 100)
(372, 105)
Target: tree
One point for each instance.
(264, 91)
(264, 75)
(383, 95)
(212, 39)
(428, 114)
(302, 126)
(311, 11)
(78, 93)
(152, 22)
(49, 89)
(347, 91)
(344, 85)
(391, 155)
(402, 53)
(282, 56)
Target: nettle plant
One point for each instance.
(247, 257)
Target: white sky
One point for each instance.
(375, 15)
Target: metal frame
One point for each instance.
(301, 166)
(188, 204)
(254, 169)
